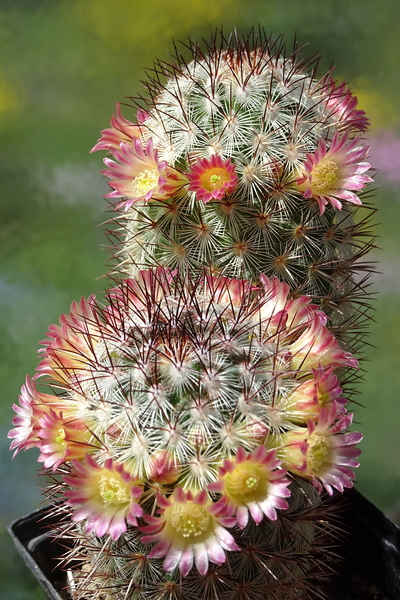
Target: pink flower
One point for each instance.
(121, 130)
(190, 530)
(342, 104)
(164, 469)
(212, 178)
(280, 312)
(69, 346)
(253, 482)
(139, 175)
(228, 290)
(149, 287)
(32, 406)
(317, 347)
(61, 439)
(322, 452)
(307, 400)
(332, 175)
(105, 496)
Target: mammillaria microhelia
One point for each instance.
(197, 423)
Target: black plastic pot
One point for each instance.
(371, 556)
(31, 536)
(370, 569)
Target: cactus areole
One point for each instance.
(197, 422)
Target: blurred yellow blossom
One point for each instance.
(121, 22)
(381, 111)
(10, 97)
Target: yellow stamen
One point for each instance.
(317, 453)
(145, 182)
(215, 179)
(246, 484)
(190, 519)
(113, 490)
(324, 176)
(61, 436)
(322, 398)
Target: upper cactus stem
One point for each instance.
(244, 162)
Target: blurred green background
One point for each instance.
(64, 64)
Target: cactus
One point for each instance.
(244, 162)
(196, 428)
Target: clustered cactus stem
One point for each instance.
(197, 423)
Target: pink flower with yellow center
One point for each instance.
(307, 400)
(105, 496)
(139, 175)
(321, 451)
(333, 175)
(342, 105)
(212, 178)
(190, 530)
(33, 405)
(317, 347)
(253, 482)
(61, 439)
(69, 346)
(121, 131)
